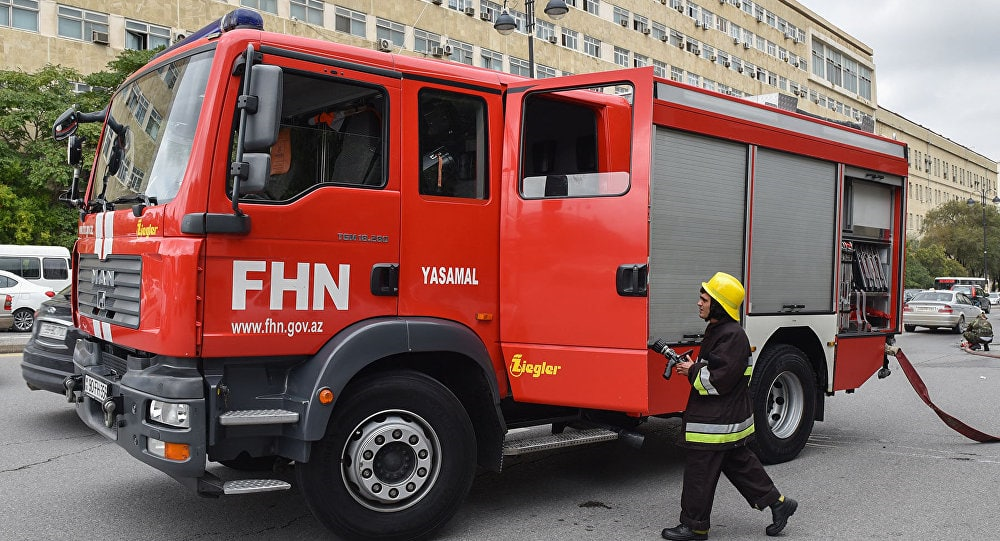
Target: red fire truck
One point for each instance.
(380, 268)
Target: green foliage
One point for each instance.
(925, 261)
(957, 228)
(33, 169)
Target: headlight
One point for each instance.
(169, 413)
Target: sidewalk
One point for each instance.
(13, 342)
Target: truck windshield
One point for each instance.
(149, 133)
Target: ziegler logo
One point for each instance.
(144, 230)
(518, 367)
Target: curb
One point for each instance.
(11, 348)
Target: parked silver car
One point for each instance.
(937, 309)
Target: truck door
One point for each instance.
(326, 225)
(574, 240)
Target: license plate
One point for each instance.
(51, 330)
(926, 309)
(96, 389)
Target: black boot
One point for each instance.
(682, 532)
(986, 347)
(780, 512)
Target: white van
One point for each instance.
(46, 266)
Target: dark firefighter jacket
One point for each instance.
(719, 414)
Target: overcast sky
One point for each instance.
(936, 63)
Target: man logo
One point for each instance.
(102, 300)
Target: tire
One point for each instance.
(24, 319)
(960, 327)
(783, 391)
(910, 328)
(390, 434)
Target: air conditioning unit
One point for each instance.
(438, 2)
(553, 39)
(736, 41)
(623, 22)
(797, 40)
(739, 69)
(100, 38)
(384, 45)
(714, 58)
(664, 2)
(784, 57)
(441, 50)
(727, 63)
(696, 51)
(680, 8)
(470, 12)
(645, 31)
(760, 18)
(664, 38)
(697, 24)
(788, 35)
(486, 16)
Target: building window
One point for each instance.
(544, 72)
(141, 36)
(153, 124)
(461, 51)
(570, 39)
(639, 60)
(491, 10)
(519, 67)
(660, 69)
(592, 46)
(491, 60)
(270, 6)
(622, 57)
(545, 31)
(424, 41)
(351, 22)
(621, 16)
(390, 30)
(592, 6)
(310, 11)
(21, 14)
(460, 5)
(81, 24)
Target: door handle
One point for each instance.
(385, 280)
(632, 280)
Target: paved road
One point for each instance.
(881, 466)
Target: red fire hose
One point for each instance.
(921, 389)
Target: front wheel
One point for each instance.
(397, 460)
(783, 391)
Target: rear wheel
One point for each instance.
(24, 319)
(783, 390)
(909, 328)
(961, 326)
(397, 460)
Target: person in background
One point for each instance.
(979, 333)
(718, 421)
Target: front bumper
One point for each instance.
(131, 384)
(45, 370)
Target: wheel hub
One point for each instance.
(391, 461)
(785, 405)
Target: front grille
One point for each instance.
(109, 290)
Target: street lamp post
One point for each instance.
(506, 24)
(972, 202)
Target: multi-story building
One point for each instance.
(773, 51)
(941, 170)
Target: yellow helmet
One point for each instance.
(727, 291)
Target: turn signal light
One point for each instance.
(171, 451)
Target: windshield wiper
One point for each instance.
(142, 201)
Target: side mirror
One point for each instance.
(74, 150)
(258, 173)
(263, 121)
(66, 125)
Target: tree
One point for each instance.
(33, 169)
(925, 261)
(957, 228)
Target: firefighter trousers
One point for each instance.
(701, 477)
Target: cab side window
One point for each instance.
(332, 133)
(453, 145)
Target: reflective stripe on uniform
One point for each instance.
(703, 383)
(718, 433)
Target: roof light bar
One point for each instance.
(234, 20)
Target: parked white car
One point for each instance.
(25, 299)
(995, 298)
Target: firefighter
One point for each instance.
(979, 332)
(719, 418)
